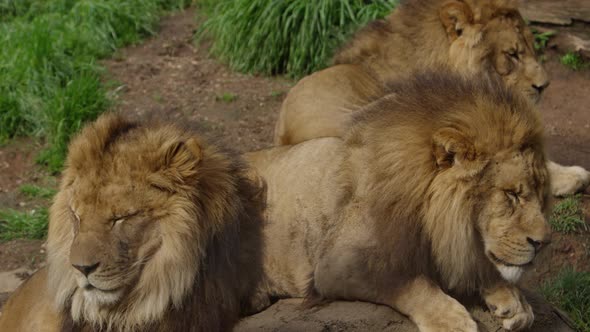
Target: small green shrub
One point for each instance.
(227, 97)
(33, 191)
(570, 291)
(567, 215)
(573, 61)
(295, 37)
(28, 225)
(541, 39)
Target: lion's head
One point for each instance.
(468, 35)
(147, 218)
(464, 159)
(494, 35)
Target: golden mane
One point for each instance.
(413, 33)
(193, 280)
(394, 135)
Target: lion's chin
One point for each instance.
(95, 296)
(510, 273)
(534, 96)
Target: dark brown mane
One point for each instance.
(397, 133)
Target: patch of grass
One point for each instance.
(574, 61)
(33, 191)
(567, 215)
(227, 97)
(50, 83)
(158, 98)
(542, 38)
(277, 94)
(29, 225)
(570, 291)
(294, 37)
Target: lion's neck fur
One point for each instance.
(189, 273)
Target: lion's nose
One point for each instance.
(538, 245)
(86, 269)
(541, 87)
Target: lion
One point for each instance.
(152, 230)
(469, 36)
(438, 192)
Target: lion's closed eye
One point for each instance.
(119, 219)
(512, 195)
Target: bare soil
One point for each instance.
(170, 78)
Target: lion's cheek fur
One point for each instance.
(448, 222)
(61, 277)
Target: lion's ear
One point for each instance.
(452, 148)
(181, 159)
(455, 16)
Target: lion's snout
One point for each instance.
(86, 269)
(538, 244)
(83, 254)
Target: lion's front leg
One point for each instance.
(567, 180)
(431, 309)
(507, 303)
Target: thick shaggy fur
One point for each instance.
(171, 222)
(435, 190)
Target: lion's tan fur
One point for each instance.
(30, 308)
(190, 266)
(417, 189)
(412, 36)
(418, 34)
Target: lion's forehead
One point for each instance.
(106, 197)
(515, 172)
(504, 37)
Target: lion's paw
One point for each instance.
(568, 180)
(511, 307)
(455, 319)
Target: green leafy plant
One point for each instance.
(50, 82)
(33, 191)
(295, 37)
(227, 97)
(29, 225)
(542, 38)
(567, 215)
(570, 291)
(573, 61)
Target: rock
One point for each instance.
(10, 280)
(562, 12)
(288, 316)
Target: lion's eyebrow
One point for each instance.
(128, 214)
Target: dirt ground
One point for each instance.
(170, 78)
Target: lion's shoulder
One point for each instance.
(30, 308)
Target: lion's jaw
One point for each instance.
(98, 297)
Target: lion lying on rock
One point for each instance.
(144, 235)
(469, 36)
(437, 193)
